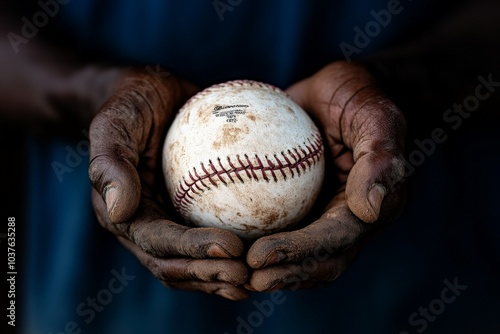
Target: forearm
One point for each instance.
(47, 88)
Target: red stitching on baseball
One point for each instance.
(191, 184)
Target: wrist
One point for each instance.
(85, 91)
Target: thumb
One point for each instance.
(373, 178)
(374, 129)
(118, 183)
(130, 125)
(359, 120)
(112, 169)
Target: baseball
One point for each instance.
(243, 156)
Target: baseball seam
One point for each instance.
(212, 174)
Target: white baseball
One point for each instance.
(243, 156)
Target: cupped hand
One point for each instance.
(125, 170)
(364, 133)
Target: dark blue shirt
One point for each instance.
(208, 42)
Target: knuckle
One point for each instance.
(152, 264)
(98, 167)
(190, 242)
(344, 232)
(143, 238)
(398, 168)
(334, 273)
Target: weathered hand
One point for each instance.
(365, 136)
(125, 169)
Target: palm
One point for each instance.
(364, 133)
(126, 140)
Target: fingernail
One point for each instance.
(375, 197)
(110, 199)
(274, 257)
(249, 287)
(217, 251)
(226, 294)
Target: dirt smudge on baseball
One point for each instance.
(172, 147)
(204, 114)
(230, 135)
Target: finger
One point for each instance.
(185, 269)
(163, 238)
(373, 178)
(225, 290)
(336, 230)
(130, 125)
(308, 273)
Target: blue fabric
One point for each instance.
(273, 41)
(442, 235)
(449, 230)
